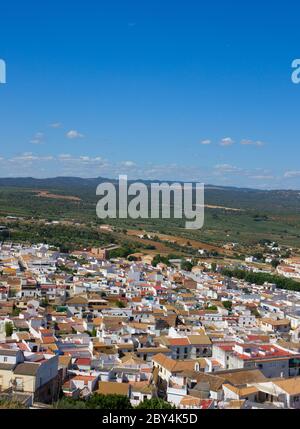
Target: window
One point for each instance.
(5, 359)
(19, 384)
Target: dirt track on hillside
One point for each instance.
(46, 194)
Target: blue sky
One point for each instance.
(189, 90)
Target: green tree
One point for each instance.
(212, 308)
(259, 256)
(96, 401)
(275, 263)
(132, 258)
(44, 303)
(186, 266)
(16, 311)
(155, 404)
(227, 305)
(261, 278)
(9, 329)
(160, 259)
(255, 312)
(109, 402)
(69, 403)
(6, 404)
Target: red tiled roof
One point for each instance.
(48, 340)
(84, 378)
(83, 361)
(179, 341)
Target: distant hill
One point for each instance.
(258, 215)
(276, 201)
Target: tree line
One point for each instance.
(261, 278)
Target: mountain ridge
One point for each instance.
(4, 181)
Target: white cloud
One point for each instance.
(226, 168)
(29, 157)
(129, 164)
(246, 142)
(291, 174)
(66, 164)
(63, 156)
(81, 161)
(55, 125)
(227, 141)
(38, 138)
(262, 177)
(73, 134)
